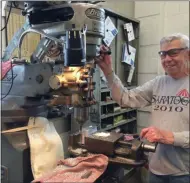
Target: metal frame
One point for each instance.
(118, 19)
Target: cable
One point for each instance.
(96, 2)
(7, 17)
(11, 82)
(91, 2)
(127, 41)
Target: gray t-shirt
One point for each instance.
(169, 99)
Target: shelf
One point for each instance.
(107, 103)
(107, 111)
(116, 113)
(108, 89)
(122, 122)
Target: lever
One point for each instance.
(105, 52)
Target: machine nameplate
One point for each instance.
(94, 13)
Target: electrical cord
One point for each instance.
(7, 18)
(96, 2)
(11, 61)
(91, 2)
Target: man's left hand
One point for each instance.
(153, 134)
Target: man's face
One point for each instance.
(175, 62)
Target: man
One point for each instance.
(169, 97)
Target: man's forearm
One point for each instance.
(116, 87)
(154, 134)
(181, 139)
(137, 97)
(167, 137)
(175, 138)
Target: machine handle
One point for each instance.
(19, 61)
(149, 147)
(106, 52)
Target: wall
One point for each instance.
(121, 7)
(161, 18)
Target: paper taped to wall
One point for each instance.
(130, 31)
(110, 31)
(126, 57)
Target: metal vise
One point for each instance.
(112, 144)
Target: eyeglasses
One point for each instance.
(172, 53)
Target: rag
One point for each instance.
(5, 68)
(79, 169)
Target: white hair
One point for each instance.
(176, 36)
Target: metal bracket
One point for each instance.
(14, 43)
(4, 174)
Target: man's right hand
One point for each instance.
(104, 61)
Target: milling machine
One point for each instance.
(57, 77)
(71, 43)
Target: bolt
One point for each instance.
(39, 79)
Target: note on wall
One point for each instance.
(126, 57)
(110, 31)
(130, 31)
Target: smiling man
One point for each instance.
(169, 97)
